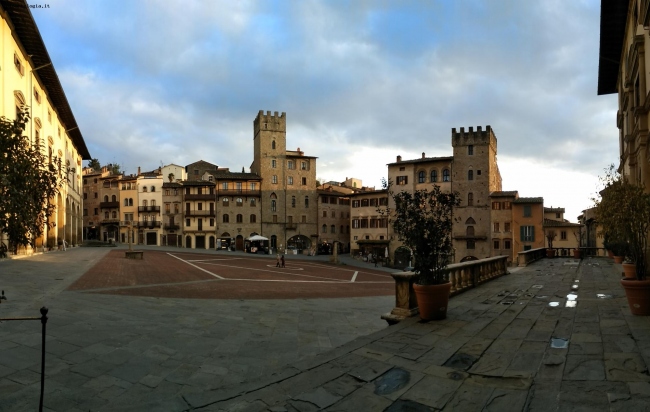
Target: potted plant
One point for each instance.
(550, 237)
(624, 209)
(423, 221)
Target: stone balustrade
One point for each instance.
(462, 276)
(527, 257)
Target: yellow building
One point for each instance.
(528, 224)
(28, 79)
(334, 215)
(567, 235)
(368, 227)
(128, 209)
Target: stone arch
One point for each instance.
(470, 221)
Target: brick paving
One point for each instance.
(495, 351)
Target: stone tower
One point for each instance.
(474, 175)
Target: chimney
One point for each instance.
(399, 158)
(423, 156)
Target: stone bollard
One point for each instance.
(405, 303)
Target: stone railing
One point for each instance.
(462, 276)
(527, 257)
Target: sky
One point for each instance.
(176, 81)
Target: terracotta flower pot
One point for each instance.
(618, 259)
(638, 296)
(576, 253)
(610, 254)
(432, 300)
(629, 269)
(550, 253)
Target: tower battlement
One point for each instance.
(472, 137)
(268, 121)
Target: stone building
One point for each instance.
(369, 231)
(288, 186)
(129, 209)
(109, 207)
(199, 214)
(150, 194)
(91, 189)
(334, 216)
(502, 226)
(172, 216)
(28, 78)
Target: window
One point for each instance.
(253, 186)
(199, 206)
(85, 212)
(274, 179)
(496, 245)
(527, 233)
(402, 180)
(478, 173)
(96, 211)
(275, 218)
(212, 222)
(304, 181)
(273, 163)
(470, 199)
(240, 201)
(470, 175)
(176, 207)
(95, 195)
(471, 244)
(506, 227)
(332, 229)
(240, 218)
(434, 176)
(224, 186)
(303, 165)
(306, 201)
(470, 231)
(365, 202)
(187, 222)
(527, 212)
(557, 215)
(210, 178)
(144, 189)
(293, 201)
(290, 165)
(253, 202)
(445, 176)
(153, 188)
(167, 207)
(364, 222)
(19, 65)
(273, 205)
(86, 196)
(333, 213)
(506, 244)
(507, 205)
(226, 218)
(383, 201)
(355, 224)
(421, 177)
(225, 201)
(356, 203)
(289, 180)
(563, 235)
(303, 219)
(324, 213)
(323, 229)
(496, 226)
(470, 150)
(496, 206)
(196, 172)
(253, 218)
(273, 145)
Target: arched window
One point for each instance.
(422, 176)
(333, 229)
(105, 215)
(226, 218)
(105, 198)
(106, 183)
(273, 145)
(253, 218)
(144, 203)
(293, 201)
(224, 201)
(114, 215)
(273, 205)
(240, 201)
(470, 174)
(434, 176)
(470, 199)
(126, 202)
(240, 218)
(144, 189)
(470, 230)
(130, 201)
(470, 221)
(153, 202)
(324, 229)
(445, 176)
(113, 198)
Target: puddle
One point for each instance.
(559, 343)
(456, 376)
(541, 297)
(393, 380)
(571, 296)
(554, 304)
(460, 361)
(571, 304)
(574, 287)
(602, 296)
(537, 286)
(529, 295)
(507, 302)
(576, 281)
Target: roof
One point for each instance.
(558, 223)
(197, 183)
(512, 193)
(370, 192)
(218, 175)
(554, 209)
(613, 17)
(172, 184)
(30, 38)
(424, 160)
(529, 200)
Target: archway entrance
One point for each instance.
(239, 242)
(188, 242)
(298, 243)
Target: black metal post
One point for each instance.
(43, 322)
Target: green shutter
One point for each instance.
(521, 233)
(532, 233)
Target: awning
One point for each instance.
(257, 238)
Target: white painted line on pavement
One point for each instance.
(354, 277)
(192, 264)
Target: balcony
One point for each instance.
(151, 224)
(199, 213)
(115, 221)
(238, 192)
(155, 209)
(109, 205)
(171, 227)
(201, 197)
(127, 223)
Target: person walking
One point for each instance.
(376, 258)
(277, 261)
(282, 261)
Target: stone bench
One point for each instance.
(134, 254)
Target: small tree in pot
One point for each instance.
(423, 221)
(550, 237)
